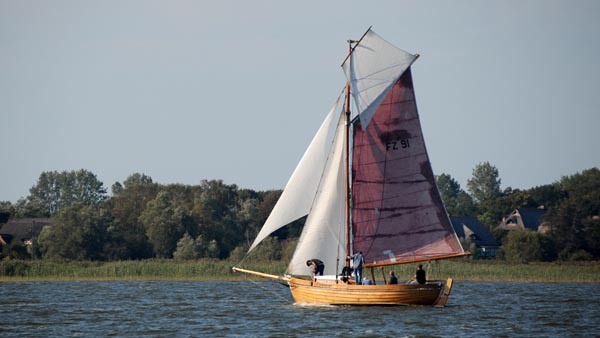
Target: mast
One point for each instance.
(347, 161)
(347, 152)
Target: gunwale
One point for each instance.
(329, 292)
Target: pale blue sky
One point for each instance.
(234, 90)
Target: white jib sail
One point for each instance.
(372, 69)
(323, 236)
(299, 192)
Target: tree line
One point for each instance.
(142, 219)
(572, 204)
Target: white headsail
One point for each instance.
(372, 69)
(297, 197)
(323, 235)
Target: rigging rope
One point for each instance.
(255, 282)
(269, 289)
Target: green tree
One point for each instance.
(189, 248)
(270, 249)
(572, 221)
(128, 239)
(16, 250)
(163, 220)
(216, 213)
(484, 185)
(457, 201)
(24, 208)
(549, 195)
(448, 186)
(292, 230)
(288, 248)
(586, 183)
(186, 248)
(500, 206)
(6, 210)
(55, 190)
(248, 219)
(238, 253)
(78, 233)
(591, 233)
(212, 249)
(267, 204)
(523, 246)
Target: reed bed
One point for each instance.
(496, 271)
(211, 269)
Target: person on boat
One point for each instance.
(317, 266)
(367, 281)
(357, 260)
(420, 275)
(393, 278)
(346, 274)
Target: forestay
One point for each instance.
(297, 197)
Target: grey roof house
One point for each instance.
(471, 228)
(23, 230)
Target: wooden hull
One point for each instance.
(332, 293)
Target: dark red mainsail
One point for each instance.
(397, 215)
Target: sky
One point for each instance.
(184, 91)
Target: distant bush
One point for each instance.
(268, 250)
(523, 246)
(580, 255)
(10, 267)
(16, 250)
(237, 254)
(186, 248)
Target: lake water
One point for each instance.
(264, 309)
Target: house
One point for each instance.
(23, 230)
(471, 228)
(526, 218)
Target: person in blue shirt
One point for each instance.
(357, 260)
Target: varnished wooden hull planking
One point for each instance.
(330, 293)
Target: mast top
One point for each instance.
(355, 42)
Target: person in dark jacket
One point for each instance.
(346, 274)
(420, 275)
(393, 278)
(317, 266)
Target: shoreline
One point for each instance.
(220, 270)
(231, 279)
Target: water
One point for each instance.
(264, 309)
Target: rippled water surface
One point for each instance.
(264, 309)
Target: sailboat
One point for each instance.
(366, 185)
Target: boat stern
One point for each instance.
(444, 294)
